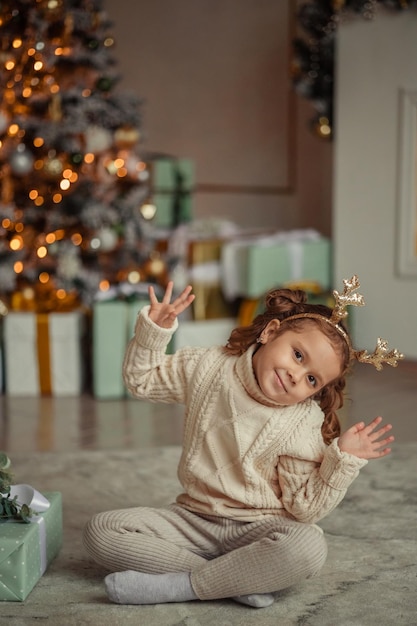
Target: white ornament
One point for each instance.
(108, 239)
(69, 265)
(21, 160)
(97, 139)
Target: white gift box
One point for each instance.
(252, 266)
(43, 353)
(203, 333)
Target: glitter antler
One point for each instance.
(380, 355)
(347, 298)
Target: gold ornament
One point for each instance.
(126, 136)
(53, 167)
(381, 353)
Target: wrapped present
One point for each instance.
(171, 184)
(250, 267)
(164, 173)
(171, 209)
(43, 353)
(204, 333)
(113, 326)
(251, 307)
(27, 549)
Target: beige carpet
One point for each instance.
(369, 579)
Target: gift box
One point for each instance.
(43, 353)
(28, 549)
(252, 267)
(171, 184)
(251, 307)
(113, 326)
(204, 333)
(204, 275)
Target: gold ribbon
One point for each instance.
(44, 362)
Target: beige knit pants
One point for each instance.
(225, 557)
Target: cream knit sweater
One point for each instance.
(243, 456)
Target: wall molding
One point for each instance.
(406, 255)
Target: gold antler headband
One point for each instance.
(381, 353)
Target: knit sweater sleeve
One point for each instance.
(311, 490)
(148, 372)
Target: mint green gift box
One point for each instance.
(168, 177)
(23, 558)
(163, 173)
(265, 267)
(113, 326)
(164, 216)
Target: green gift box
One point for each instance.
(270, 266)
(113, 326)
(171, 185)
(26, 550)
(171, 211)
(251, 268)
(164, 174)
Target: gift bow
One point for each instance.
(25, 494)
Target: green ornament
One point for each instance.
(76, 158)
(104, 83)
(93, 44)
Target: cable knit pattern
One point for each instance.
(244, 457)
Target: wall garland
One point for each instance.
(314, 51)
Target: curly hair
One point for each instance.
(284, 303)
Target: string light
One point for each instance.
(16, 243)
(44, 278)
(77, 239)
(104, 285)
(42, 252)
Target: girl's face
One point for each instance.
(295, 365)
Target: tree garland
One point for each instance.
(313, 53)
(10, 508)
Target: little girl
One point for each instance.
(263, 459)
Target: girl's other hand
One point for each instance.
(365, 441)
(164, 313)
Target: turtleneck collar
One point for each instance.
(246, 375)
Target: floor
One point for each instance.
(116, 454)
(83, 423)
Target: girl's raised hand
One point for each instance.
(364, 441)
(165, 312)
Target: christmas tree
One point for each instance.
(72, 212)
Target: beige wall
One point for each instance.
(215, 79)
(376, 62)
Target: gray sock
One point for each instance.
(130, 587)
(257, 600)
